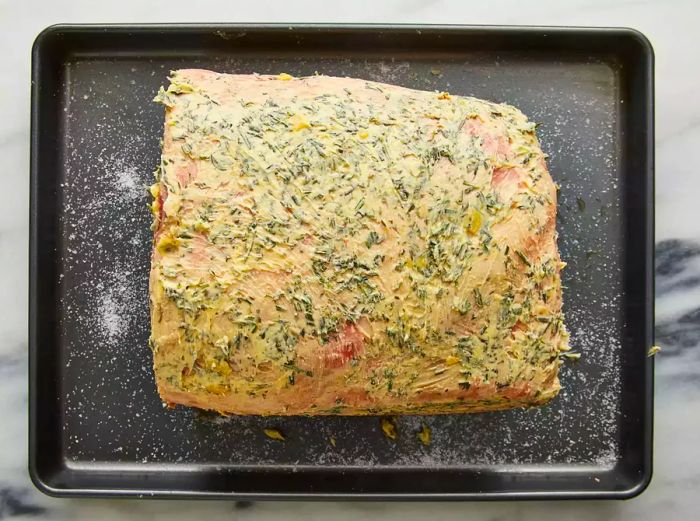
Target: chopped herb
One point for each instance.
(434, 154)
(372, 238)
(572, 355)
(462, 305)
(424, 435)
(389, 428)
(478, 299)
(523, 257)
(274, 434)
(220, 162)
(292, 367)
(187, 149)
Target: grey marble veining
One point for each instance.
(671, 28)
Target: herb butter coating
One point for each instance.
(338, 246)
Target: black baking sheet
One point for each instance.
(97, 426)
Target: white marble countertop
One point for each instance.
(670, 26)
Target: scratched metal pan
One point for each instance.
(97, 427)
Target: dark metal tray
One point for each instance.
(97, 426)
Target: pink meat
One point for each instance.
(502, 176)
(343, 347)
(185, 174)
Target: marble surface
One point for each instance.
(671, 29)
